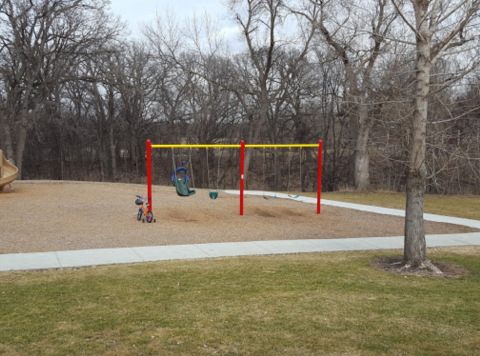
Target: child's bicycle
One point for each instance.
(143, 210)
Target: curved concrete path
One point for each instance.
(94, 257)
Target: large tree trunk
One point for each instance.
(133, 149)
(415, 246)
(362, 158)
(21, 137)
(415, 253)
(21, 140)
(8, 145)
(111, 117)
(113, 156)
(249, 151)
(103, 160)
(255, 127)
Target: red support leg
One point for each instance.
(319, 176)
(149, 174)
(242, 172)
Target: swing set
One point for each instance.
(181, 179)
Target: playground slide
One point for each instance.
(8, 172)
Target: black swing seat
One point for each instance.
(182, 187)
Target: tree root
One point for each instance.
(426, 266)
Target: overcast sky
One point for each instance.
(138, 12)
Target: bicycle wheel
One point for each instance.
(139, 215)
(149, 216)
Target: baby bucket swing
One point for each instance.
(181, 181)
(213, 194)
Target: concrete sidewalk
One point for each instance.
(82, 258)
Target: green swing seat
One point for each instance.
(182, 188)
(181, 182)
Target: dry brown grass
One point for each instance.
(462, 206)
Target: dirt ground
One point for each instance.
(37, 217)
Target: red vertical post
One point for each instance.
(319, 176)
(242, 172)
(149, 174)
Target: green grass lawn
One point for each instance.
(305, 304)
(459, 206)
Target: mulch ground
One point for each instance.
(37, 217)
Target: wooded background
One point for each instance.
(79, 98)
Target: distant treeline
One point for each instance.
(78, 101)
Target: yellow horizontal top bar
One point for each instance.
(234, 146)
(288, 146)
(195, 146)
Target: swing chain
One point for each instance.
(301, 181)
(208, 171)
(264, 183)
(289, 175)
(191, 168)
(275, 175)
(289, 165)
(173, 161)
(218, 165)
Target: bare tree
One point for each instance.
(252, 75)
(440, 28)
(41, 40)
(357, 32)
(261, 23)
(137, 80)
(103, 106)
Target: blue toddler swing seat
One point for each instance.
(181, 182)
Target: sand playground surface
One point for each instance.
(40, 217)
